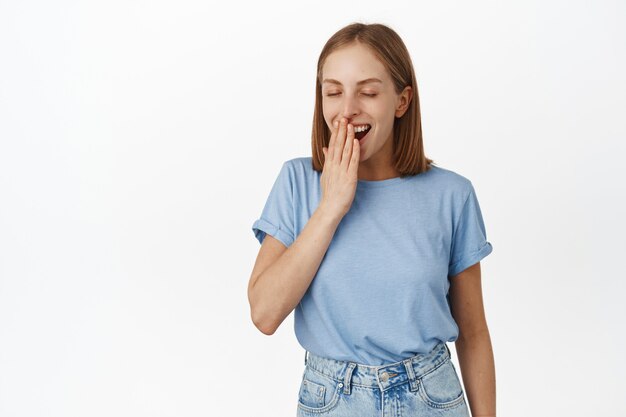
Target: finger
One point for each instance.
(339, 140)
(347, 148)
(353, 169)
(331, 143)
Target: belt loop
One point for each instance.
(306, 353)
(408, 364)
(348, 377)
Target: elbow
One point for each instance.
(473, 335)
(265, 326)
(261, 321)
(267, 330)
(260, 317)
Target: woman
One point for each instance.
(377, 249)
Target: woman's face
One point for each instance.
(373, 102)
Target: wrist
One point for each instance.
(329, 214)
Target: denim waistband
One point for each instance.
(382, 376)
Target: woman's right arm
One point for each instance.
(282, 275)
(286, 273)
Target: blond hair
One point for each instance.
(386, 44)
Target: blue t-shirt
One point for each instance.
(380, 294)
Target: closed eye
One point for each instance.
(336, 94)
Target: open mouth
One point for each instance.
(362, 131)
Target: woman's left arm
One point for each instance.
(473, 346)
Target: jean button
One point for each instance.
(384, 376)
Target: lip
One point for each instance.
(355, 124)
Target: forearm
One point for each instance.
(475, 355)
(280, 287)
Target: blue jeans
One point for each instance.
(423, 385)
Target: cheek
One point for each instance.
(327, 120)
(329, 111)
(329, 115)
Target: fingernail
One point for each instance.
(336, 123)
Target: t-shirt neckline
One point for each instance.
(380, 183)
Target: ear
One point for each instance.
(404, 100)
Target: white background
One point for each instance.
(140, 139)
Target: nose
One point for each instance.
(350, 107)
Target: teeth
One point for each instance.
(362, 128)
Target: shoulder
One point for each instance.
(296, 165)
(300, 168)
(301, 163)
(296, 176)
(450, 181)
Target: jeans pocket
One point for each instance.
(318, 392)
(441, 388)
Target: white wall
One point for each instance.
(139, 141)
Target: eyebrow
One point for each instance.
(369, 80)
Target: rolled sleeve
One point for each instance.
(469, 240)
(277, 217)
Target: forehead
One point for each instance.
(351, 64)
